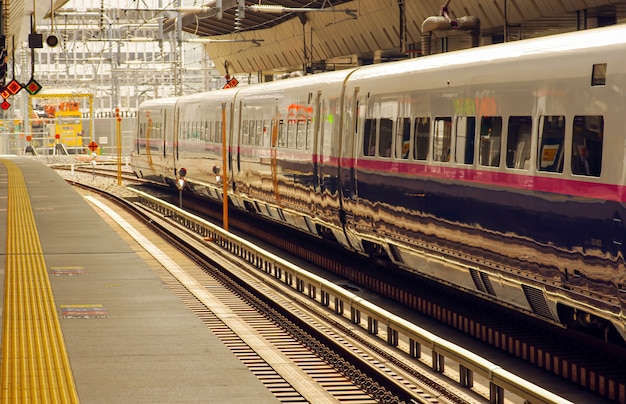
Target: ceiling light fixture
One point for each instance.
(271, 9)
(255, 42)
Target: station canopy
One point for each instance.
(273, 36)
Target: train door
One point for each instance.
(347, 170)
(175, 132)
(317, 144)
(347, 157)
(276, 124)
(237, 138)
(228, 122)
(168, 136)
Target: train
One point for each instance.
(498, 170)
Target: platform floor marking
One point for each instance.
(67, 271)
(35, 365)
(83, 311)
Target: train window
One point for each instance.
(552, 136)
(588, 133)
(259, 132)
(218, 131)
(255, 133)
(194, 130)
(385, 137)
(369, 137)
(465, 139)
(282, 134)
(183, 130)
(422, 138)
(490, 140)
(255, 127)
(309, 133)
(209, 132)
(598, 74)
(249, 134)
(301, 134)
(244, 133)
(291, 134)
(442, 139)
(265, 134)
(518, 142)
(403, 137)
(204, 131)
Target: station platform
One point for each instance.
(85, 319)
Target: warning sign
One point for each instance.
(231, 83)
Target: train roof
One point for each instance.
(605, 37)
(567, 42)
(159, 102)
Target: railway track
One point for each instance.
(295, 365)
(589, 364)
(101, 169)
(395, 292)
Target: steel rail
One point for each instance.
(397, 332)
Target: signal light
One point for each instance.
(52, 41)
(33, 87)
(14, 87)
(35, 40)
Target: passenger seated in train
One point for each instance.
(580, 162)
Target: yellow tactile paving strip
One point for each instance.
(35, 365)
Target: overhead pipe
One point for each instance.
(212, 8)
(443, 22)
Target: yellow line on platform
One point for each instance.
(35, 365)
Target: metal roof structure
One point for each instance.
(207, 23)
(262, 42)
(141, 49)
(254, 36)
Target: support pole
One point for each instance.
(118, 133)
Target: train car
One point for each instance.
(202, 122)
(285, 151)
(153, 146)
(497, 170)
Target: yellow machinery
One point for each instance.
(61, 121)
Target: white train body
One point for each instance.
(498, 170)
